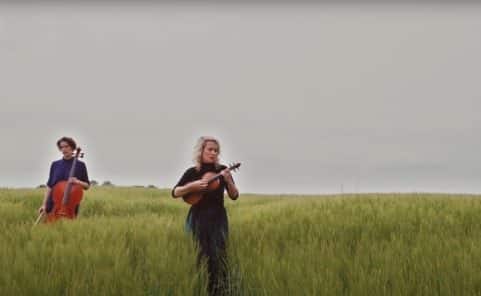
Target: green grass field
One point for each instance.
(131, 241)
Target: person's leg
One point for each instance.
(211, 237)
(193, 227)
(218, 256)
(206, 253)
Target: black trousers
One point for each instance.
(209, 227)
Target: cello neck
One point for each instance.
(72, 169)
(66, 194)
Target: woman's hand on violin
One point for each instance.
(199, 185)
(227, 175)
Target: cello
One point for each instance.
(66, 196)
(213, 183)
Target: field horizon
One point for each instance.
(275, 194)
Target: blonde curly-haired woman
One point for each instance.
(207, 220)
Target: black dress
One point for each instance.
(207, 221)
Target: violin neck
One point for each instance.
(215, 177)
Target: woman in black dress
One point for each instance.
(207, 220)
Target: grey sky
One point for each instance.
(377, 98)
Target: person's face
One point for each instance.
(210, 152)
(66, 150)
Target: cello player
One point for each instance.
(59, 171)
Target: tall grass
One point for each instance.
(130, 241)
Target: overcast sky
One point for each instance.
(309, 98)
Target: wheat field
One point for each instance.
(131, 241)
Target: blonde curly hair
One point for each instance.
(199, 148)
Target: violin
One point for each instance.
(213, 183)
(66, 195)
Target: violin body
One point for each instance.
(194, 197)
(213, 183)
(65, 208)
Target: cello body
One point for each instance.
(66, 209)
(66, 196)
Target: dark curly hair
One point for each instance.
(67, 140)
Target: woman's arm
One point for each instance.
(44, 203)
(48, 189)
(83, 179)
(232, 190)
(180, 191)
(84, 185)
(195, 186)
